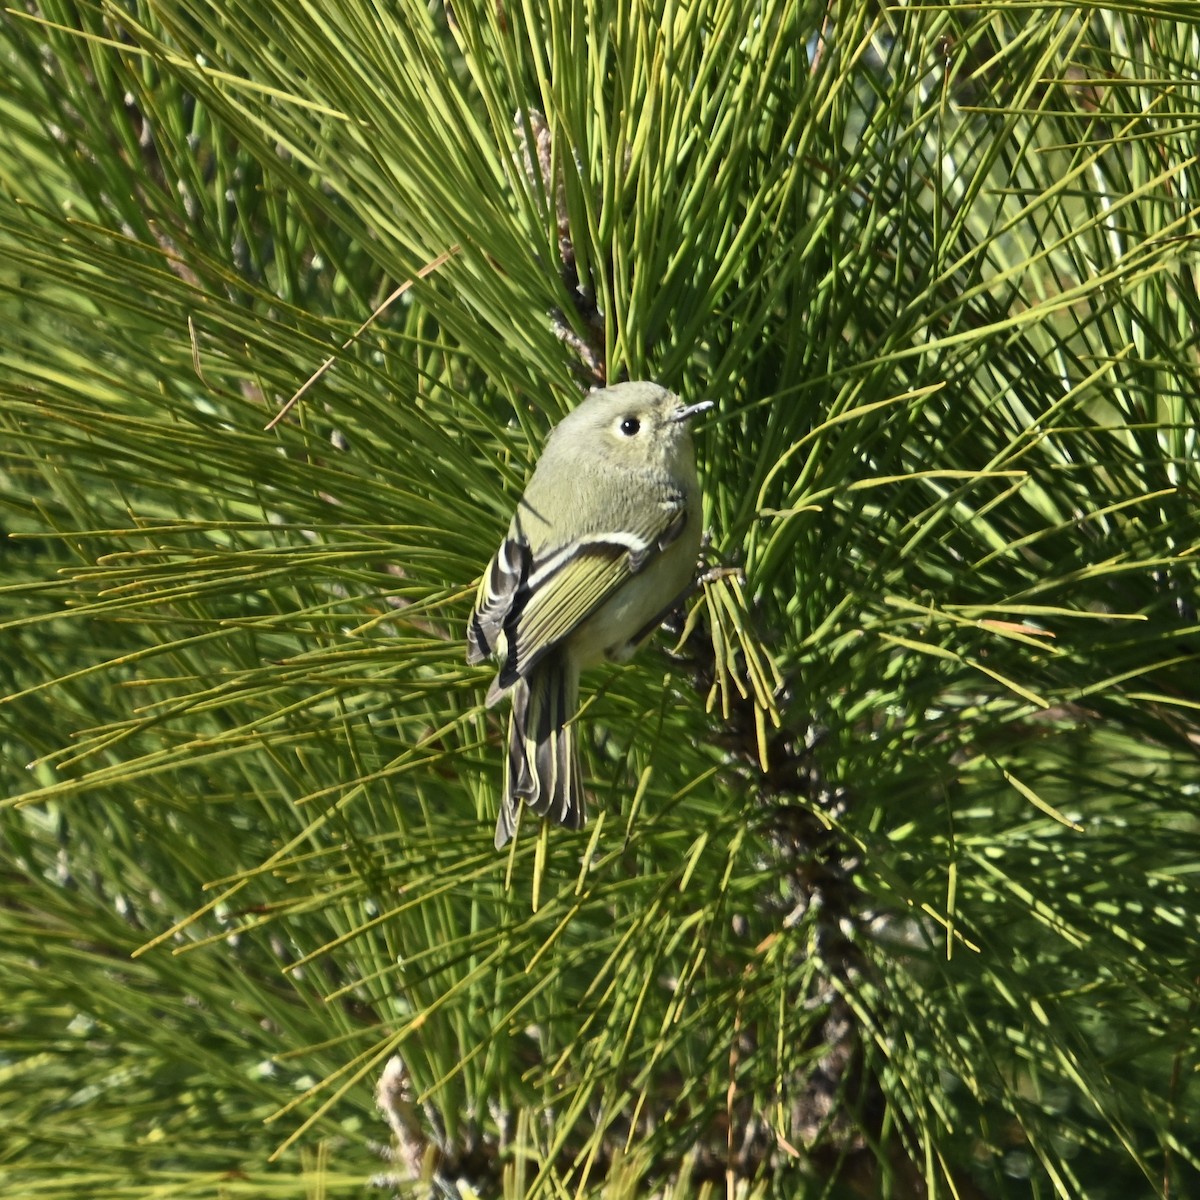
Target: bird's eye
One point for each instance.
(630, 426)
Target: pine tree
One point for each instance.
(890, 883)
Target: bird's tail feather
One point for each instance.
(543, 759)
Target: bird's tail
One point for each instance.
(543, 760)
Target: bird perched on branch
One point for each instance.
(602, 546)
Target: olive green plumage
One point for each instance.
(603, 544)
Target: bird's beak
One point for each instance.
(694, 410)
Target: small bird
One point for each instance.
(602, 546)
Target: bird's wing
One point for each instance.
(563, 586)
(499, 587)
